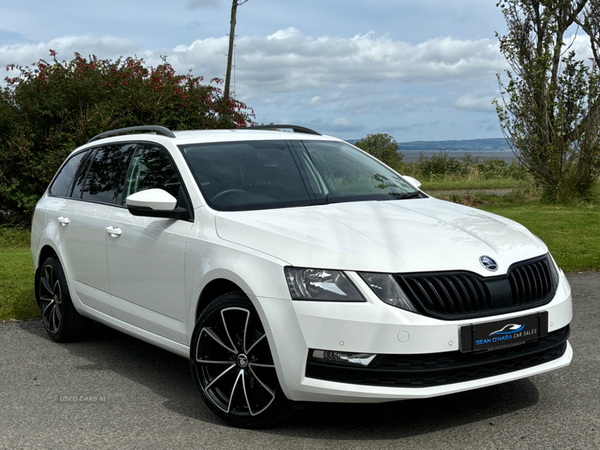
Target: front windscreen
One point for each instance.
(241, 176)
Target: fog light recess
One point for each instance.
(343, 358)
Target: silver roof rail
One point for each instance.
(163, 131)
(294, 128)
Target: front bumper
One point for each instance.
(373, 327)
(437, 369)
(313, 389)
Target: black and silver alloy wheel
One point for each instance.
(50, 293)
(61, 319)
(232, 364)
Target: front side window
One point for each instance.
(242, 176)
(151, 168)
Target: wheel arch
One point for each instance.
(45, 252)
(213, 290)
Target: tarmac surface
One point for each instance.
(114, 391)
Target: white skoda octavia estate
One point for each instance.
(291, 266)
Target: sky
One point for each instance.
(415, 69)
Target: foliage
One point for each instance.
(383, 147)
(443, 166)
(550, 108)
(50, 108)
(477, 182)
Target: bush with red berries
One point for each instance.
(52, 107)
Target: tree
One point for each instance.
(550, 107)
(383, 147)
(50, 108)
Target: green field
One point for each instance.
(572, 233)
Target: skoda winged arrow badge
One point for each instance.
(488, 263)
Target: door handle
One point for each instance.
(64, 221)
(114, 232)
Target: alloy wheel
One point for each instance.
(234, 365)
(51, 299)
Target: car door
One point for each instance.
(146, 255)
(83, 218)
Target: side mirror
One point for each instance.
(412, 181)
(154, 203)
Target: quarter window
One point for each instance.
(64, 179)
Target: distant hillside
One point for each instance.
(471, 145)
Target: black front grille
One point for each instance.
(437, 369)
(532, 281)
(460, 295)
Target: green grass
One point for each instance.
(572, 233)
(12, 237)
(17, 298)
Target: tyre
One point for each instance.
(232, 364)
(62, 321)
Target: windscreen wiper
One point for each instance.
(415, 194)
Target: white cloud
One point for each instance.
(580, 44)
(332, 83)
(292, 61)
(288, 61)
(25, 54)
(280, 35)
(338, 124)
(475, 103)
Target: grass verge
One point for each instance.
(17, 298)
(572, 233)
(12, 237)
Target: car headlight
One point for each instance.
(321, 284)
(388, 290)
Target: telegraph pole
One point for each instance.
(234, 6)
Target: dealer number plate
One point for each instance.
(503, 333)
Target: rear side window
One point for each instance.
(104, 180)
(64, 180)
(151, 168)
